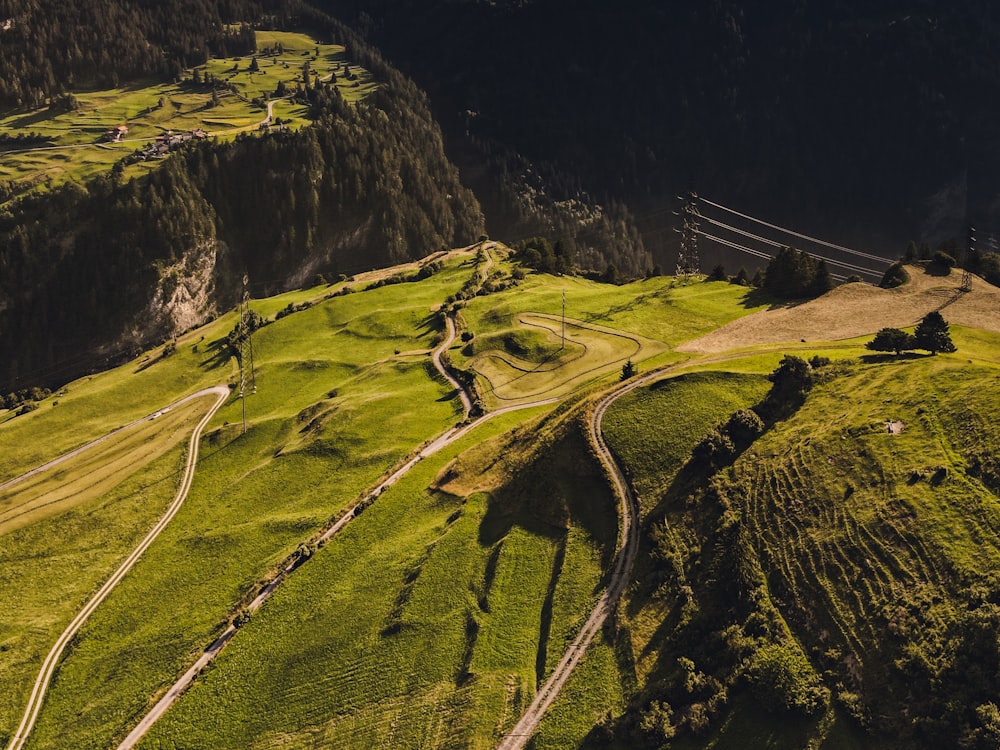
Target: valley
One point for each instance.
(220, 99)
(510, 375)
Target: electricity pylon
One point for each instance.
(688, 262)
(248, 376)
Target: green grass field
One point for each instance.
(152, 108)
(854, 526)
(653, 429)
(518, 351)
(433, 617)
(465, 607)
(64, 531)
(335, 408)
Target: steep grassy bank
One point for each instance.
(431, 620)
(334, 408)
(834, 585)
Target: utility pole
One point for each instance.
(688, 262)
(247, 371)
(970, 258)
(563, 320)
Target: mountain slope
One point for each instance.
(836, 581)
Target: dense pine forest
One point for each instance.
(866, 123)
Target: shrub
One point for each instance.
(895, 275)
(744, 426)
(942, 262)
(784, 680)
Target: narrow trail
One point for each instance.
(628, 544)
(446, 438)
(436, 358)
(49, 665)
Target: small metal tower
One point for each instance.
(688, 262)
(248, 376)
(969, 258)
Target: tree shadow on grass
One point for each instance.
(220, 354)
(758, 298)
(876, 359)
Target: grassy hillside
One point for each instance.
(430, 621)
(335, 407)
(832, 587)
(809, 589)
(74, 149)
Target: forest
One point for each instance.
(93, 273)
(866, 123)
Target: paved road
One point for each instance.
(49, 665)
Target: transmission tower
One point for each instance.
(969, 259)
(248, 376)
(563, 346)
(688, 262)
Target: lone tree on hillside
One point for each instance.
(892, 340)
(932, 334)
(629, 370)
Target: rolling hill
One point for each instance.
(829, 583)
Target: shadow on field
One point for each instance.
(33, 118)
(758, 297)
(220, 354)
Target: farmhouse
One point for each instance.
(116, 133)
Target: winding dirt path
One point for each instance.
(436, 358)
(628, 545)
(49, 665)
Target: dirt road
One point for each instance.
(49, 665)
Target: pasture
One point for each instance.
(77, 151)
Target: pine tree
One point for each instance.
(932, 334)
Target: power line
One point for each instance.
(797, 234)
(751, 251)
(832, 261)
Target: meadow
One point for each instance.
(432, 618)
(323, 427)
(152, 108)
(65, 530)
(872, 545)
(517, 349)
